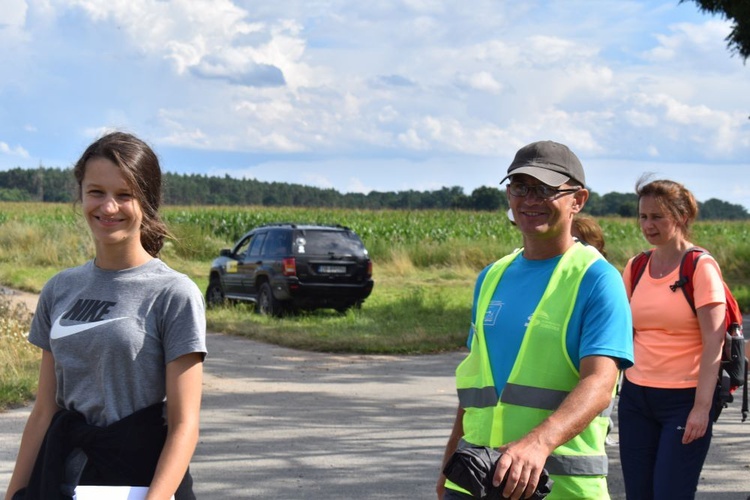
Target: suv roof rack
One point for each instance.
(278, 224)
(294, 225)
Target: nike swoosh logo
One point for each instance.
(59, 331)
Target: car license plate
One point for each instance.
(332, 269)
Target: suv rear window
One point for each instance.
(323, 242)
(277, 243)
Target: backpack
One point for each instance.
(734, 366)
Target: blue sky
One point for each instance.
(386, 95)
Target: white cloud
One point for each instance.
(640, 118)
(13, 151)
(495, 52)
(543, 50)
(356, 185)
(722, 133)
(13, 37)
(13, 13)
(425, 84)
(211, 38)
(318, 180)
(687, 39)
(427, 6)
(188, 138)
(412, 140)
(482, 81)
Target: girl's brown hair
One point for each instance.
(589, 232)
(140, 167)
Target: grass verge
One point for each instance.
(431, 314)
(19, 360)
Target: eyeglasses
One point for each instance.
(542, 191)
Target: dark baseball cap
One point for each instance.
(551, 162)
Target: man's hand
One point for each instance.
(523, 462)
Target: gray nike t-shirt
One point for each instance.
(112, 334)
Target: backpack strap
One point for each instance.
(687, 268)
(637, 267)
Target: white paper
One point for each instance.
(111, 493)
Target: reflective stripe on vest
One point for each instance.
(580, 465)
(536, 397)
(478, 398)
(535, 391)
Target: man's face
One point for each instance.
(541, 210)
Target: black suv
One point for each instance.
(283, 267)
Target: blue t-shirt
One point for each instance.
(601, 323)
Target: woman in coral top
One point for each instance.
(665, 409)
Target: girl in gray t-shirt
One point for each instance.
(119, 334)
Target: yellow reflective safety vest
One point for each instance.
(542, 376)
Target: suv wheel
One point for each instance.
(344, 308)
(215, 293)
(267, 303)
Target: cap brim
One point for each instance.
(544, 175)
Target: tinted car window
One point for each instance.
(256, 244)
(277, 244)
(325, 242)
(241, 248)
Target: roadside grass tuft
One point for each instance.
(19, 360)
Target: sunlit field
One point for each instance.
(424, 266)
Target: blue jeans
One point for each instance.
(655, 463)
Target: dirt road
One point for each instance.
(286, 424)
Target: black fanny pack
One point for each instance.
(472, 469)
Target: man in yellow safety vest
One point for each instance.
(551, 327)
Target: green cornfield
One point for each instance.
(427, 239)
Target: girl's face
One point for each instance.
(657, 226)
(113, 214)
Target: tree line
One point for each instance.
(58, 185)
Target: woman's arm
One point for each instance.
(36, 426)
(711, 321)
(184, 386)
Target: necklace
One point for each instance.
(662, 273)
(661, 269)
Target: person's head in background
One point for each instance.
(588, 231)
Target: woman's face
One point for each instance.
(657, 226)
(113, 214)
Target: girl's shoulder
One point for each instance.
(69, 274)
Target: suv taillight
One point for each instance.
(369, 269)
(289, 266)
